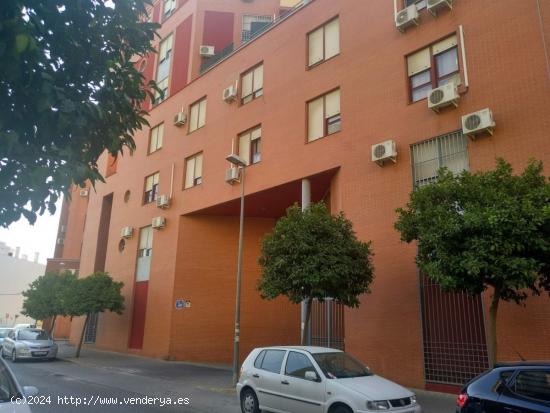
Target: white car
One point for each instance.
(11, 394)
(316, 380)
(28, 343)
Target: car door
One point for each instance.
(9, 343)
(266, 374)
(302, 395)
(529, 392)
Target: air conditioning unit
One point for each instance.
(60, 241)
(158, 222)
(406, 17)
(478, 122)
(127, 232)
(207, 51)
(384, 151)
(445, 95)
(180, 119)
(434, 5)
(229, 93)
(232, 175)
(84, 192)
(163, 201)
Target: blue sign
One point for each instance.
(180, 304)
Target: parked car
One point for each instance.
(25, 325)
(4, 331)
(513, 387)
(29, 343)
(11, 392)
(316, 380)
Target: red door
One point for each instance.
(138, 317)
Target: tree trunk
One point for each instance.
(52, 326)
(492, 345)
(82, 336)
(306, 339)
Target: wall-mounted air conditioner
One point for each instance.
(158, 222)
(232, 175)
(478, 122)
(443, 96)
(84, 192)
(406, 18)
(127, 232)
(384, 151)
(163, 201)
(229, 94)
(434, 5)
(207, 51)
(180, 118)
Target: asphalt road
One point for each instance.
(111, 382)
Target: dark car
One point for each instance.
(508, 388)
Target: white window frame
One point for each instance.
(167, 11)
(319, 53)
(151, 186)
(197, 115)
(246, 142)
(145, 251)
(252, 84)
(319, 109)
(193, 170)
(156, 138)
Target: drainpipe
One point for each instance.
(306, 201)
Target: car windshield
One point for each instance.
(340, 366)
(4, 332)
(33, 335)
(8, 390)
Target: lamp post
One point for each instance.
(241, 164)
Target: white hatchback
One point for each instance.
(316, 380)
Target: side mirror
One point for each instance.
(30, 391)
(311, 376)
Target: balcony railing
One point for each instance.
(211, 61)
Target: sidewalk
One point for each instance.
(209, 383)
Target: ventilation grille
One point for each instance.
(436, 96)
(472, 122)
(379, 151)
(402, 16)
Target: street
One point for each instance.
(99, 381)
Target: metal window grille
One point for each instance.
(327, 324)
(448, 151)
(254, 25)
(455, 348)
(91, 329)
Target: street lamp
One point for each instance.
(241, 164)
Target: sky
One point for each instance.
(39, 237)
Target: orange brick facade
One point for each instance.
(194, 256)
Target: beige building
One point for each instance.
(16, 273)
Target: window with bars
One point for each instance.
(145, 251)
(155, 139)
(250, 145)
(252, 82)
(448, 151)
(151, 188)
(324, 42)
(163, 69)
(324, 115)
(253, 25)
(197, 115)
(433, 66)
(193, 171)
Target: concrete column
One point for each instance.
(306, 201)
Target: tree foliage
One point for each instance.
(313, 254)
(47, 295)
(69, 91)
(483, 229)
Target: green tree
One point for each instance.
(69, 90)
(46, 296)
(95, 293)
(483, 230)
(315, 255)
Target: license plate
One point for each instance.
(39, 353)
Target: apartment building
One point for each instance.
(356, 101)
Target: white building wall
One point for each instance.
(15, 276)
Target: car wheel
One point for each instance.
(249, 401)
(13, 356)
(340, 409)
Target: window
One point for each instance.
(420, 4)
(163, 69)
(193, 171)
(250, 145)
(432, 67)
(534, 384)
(297, 364)
(324, 42)
(168, 8)
(273, 360)
(259, 360)
(252, 83)
(155, 140)
(254, 25)
(324, 115)
(151, 188)
(448, 151)
(144, 253)
(197, 115)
